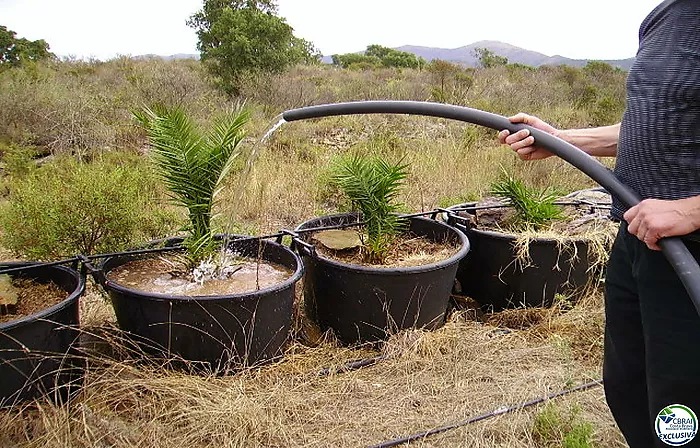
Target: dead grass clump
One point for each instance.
(581, 328)
(519, 319)
(598, 235)
(576, 329)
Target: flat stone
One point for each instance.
(8, 293)
(339, 239)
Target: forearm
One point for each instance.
(598, 142)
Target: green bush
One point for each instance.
(67, 207)
(552, 428)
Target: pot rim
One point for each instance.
(376, 270)
(68, 301)
(512, 236)
(296, 275)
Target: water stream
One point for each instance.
(214, 271)
(244, 175)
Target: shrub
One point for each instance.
(67, 207)
(552, 429)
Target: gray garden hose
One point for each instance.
(673, 248)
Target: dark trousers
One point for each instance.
(652, 340)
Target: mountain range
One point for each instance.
(464, 55)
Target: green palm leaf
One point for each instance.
(373, 185)
(193, 166)
(534, 208)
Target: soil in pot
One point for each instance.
(165, 275)
(21, 297)
(407, 250)
(578, 221)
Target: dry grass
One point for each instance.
(427, 380)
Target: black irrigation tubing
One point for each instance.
(37, 265)
(284, 232)
(604, 206)
(499, 411)
(42, 264)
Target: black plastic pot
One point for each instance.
(492, 275)
(364, 304)
(218, 331)
(37, 352)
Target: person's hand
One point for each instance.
(522, 142)
(653, 219)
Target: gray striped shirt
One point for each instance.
(658, 154)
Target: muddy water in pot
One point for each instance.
(163, 275)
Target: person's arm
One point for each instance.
(599, 142)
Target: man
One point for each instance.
(652, 332)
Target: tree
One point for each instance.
(239, 38)
(350, 60)
(378, 56)
(489, 59)
(446, 74)
(14, 52)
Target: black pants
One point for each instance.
(652, 340)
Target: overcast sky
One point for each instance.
(591, 29)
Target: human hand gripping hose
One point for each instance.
(673, 248)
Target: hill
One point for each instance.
(464, 55)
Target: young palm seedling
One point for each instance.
(372, 185)
(534, 209)
(193, 166)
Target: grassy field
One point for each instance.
(79, 111)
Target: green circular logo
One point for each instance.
(676, 425)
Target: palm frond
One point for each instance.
(372, 185)
(534, 208)
(192, 166)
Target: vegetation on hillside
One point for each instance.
(489, 59)
(376, 56)
(82, 109)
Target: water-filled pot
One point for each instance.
(219, 331)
